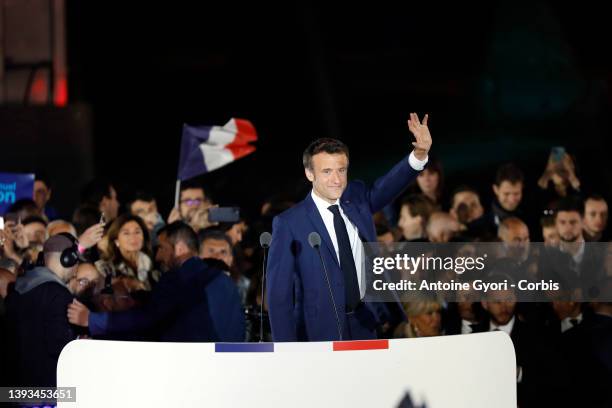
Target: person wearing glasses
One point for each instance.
(193, 207)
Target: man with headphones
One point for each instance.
(36, 314)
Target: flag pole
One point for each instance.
(177, 193)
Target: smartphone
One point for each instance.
(557, 153)
(1, 223)
(224, 214)
(102, 218)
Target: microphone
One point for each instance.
(314, 239)
(264, 240)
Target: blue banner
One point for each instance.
(13, 187)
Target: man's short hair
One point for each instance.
(214, 234)
(34, 219)
(595, 197)
(140, 195)
(569, 204)
(547, 221)
(180, 231)
(84, 217)
(43, 177)
(95, 191)
(324, 145)
(509, 172)
(462, 189)
(419, 204)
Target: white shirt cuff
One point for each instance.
(415, 163)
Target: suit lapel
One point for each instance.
(317, 222)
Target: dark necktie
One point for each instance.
(574, 322)
(347, 263)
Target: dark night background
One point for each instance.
(502, 81)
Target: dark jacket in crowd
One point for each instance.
(38, 327)
(195, 303)
(543, 376)
(587, 349)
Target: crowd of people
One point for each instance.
(136, 275)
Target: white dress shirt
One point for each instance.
(566, 323)
(506, 328)
(353, 233)
(466, 327)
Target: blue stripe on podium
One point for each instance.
(244, 347)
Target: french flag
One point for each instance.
(206, 148)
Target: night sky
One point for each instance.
(504, 81)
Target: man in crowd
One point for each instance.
(36, 312)
(145, 206)
(193, 207)
(42, 195)
(101, 195)
(215, 244)
(508, 190)
(595, 218)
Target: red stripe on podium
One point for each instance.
(361, 345)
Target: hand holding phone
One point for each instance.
(224, 214)
(557, 153)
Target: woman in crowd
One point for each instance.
(128, 253)
(424, 320)
(430, 182)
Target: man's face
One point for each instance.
(147, 210)
(165, 253)
(564, 309)
(516, 235)
(551, 236)
(516, 238)
(42, 194)
(328, 175)
(595, 216)
(509, 194)
(569, 225)
(501, 310)
(110, 205)
(192, 200)
(35, 232)
(471, 201)
(217, 249)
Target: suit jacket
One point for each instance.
(299, 302)
(194, 303)
(561, 267)
(543, 374)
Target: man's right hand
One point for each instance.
(78, 314)
(91, 236)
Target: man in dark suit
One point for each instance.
(192, 301)
(540, 373)
(300, 303)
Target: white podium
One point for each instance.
(476, 370)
